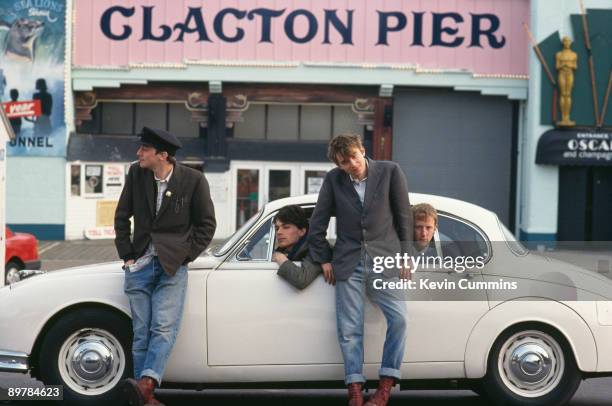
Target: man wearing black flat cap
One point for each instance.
(174, 221)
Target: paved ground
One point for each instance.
(594, 392)
(57, 255)
(64, 254)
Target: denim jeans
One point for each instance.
(350, 306)
(156, 302)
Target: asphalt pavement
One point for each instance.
(593, 392)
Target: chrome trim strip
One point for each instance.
(11, 361)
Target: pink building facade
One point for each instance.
(483, 37)
(256, 88)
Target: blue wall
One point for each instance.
(36, 196)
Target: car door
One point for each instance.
(439, 321)
(254, 317)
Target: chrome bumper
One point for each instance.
(11, 361)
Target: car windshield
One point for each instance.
(231, 240)
(514, 245)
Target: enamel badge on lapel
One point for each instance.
(168, 193)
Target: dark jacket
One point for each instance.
(182, 229)
(300, 276)
(383, 226)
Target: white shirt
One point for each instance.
(360, 185)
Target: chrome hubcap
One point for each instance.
(91, 361)
(12, 275)
(531, 363)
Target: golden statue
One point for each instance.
(566, 64)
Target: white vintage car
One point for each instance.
(244, 326)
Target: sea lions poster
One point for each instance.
(32, 49)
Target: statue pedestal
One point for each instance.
(566, 123)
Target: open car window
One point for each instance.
(261, 244)
(460, 238)
(231, 240)
(258, 246)
(331, 229)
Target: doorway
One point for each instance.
(585, 198)
(257, 183)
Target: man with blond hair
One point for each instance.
(425, 225)
(373, 218)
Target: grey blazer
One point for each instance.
(382, 226)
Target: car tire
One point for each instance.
(531, 365)
(11, 273)
(87, 352)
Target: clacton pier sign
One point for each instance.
(341, 21)
(482, 37)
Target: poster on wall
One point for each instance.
(93, 179)
(314, 181)
(113, 180)
(105, 213)
(32, 45)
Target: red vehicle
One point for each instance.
(21, 253)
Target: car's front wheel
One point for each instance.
(87, 352)
(531, 365)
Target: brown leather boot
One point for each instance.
(147, 388)
(382, 394)
(140, 393)
(154, 402)
(355, 395)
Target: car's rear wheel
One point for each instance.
(531, 365)
(88, 352)
(12, 272)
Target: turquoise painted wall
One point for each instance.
(36, 195)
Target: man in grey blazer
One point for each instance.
(373, 218)
(174, 221)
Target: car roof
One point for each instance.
(468, 211)
(485, 219)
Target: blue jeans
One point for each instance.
(156, 302)
(350, 305)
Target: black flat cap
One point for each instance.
(159, 139)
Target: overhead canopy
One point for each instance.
(575, 147)
(117, 148)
